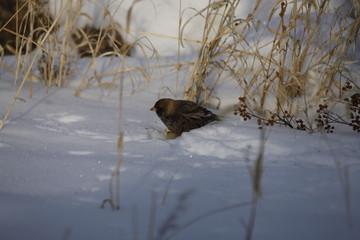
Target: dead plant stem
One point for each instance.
(30, 67)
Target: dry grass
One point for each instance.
(290, 73)
(304, 66)
(294, 71)
(26, 62)
(218, 24)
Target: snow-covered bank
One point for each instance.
(57, 153)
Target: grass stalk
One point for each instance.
(30, 67)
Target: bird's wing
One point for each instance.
(192, 110)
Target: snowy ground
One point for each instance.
(57, 153)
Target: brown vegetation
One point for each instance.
(21, 25)
(94, 42)
(286, 77)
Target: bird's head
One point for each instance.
(164, 106)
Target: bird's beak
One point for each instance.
(153, 109)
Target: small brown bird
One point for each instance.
(181, 115)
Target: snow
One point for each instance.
(58, 151)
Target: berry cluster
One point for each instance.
(354, 102)
(242, 109)
(347, 86)
(281, 119)
(300, 125)
(354, 107)
(324, 118)
(267, 122)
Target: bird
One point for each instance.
(182, 115)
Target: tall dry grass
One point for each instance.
(289, 65)
(25, 39)
(54, 60)
(218, 21)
